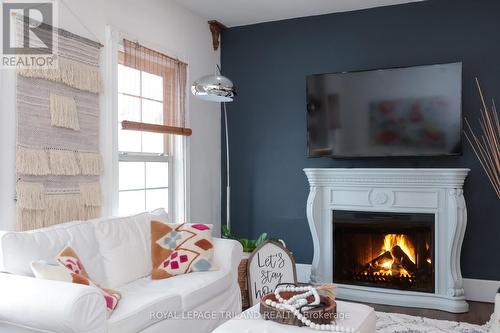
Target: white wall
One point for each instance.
(172, 29)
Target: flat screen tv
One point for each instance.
(412, 111)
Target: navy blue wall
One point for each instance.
(268, 62)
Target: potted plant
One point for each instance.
(249, 245)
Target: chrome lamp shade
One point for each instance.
(214, 88)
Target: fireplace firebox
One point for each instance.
(387, 250)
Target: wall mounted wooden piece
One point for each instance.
(216, 28)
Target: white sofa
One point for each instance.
(116, 254)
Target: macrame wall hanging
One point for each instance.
(58, 163)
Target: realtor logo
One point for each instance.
(28, 34)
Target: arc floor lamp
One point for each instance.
(218, 88)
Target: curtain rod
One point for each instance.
(139, 45)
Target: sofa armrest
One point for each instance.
(227, 254)
(51, 305)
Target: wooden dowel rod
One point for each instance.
(145, 127)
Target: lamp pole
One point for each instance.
(228, 186)
(218, 88)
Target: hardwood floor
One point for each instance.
(479, 313)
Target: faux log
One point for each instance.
(378, 261)
(402, 258)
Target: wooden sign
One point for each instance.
(269, 265)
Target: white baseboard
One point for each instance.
(303, 273)
(475, 290)
(481, 290)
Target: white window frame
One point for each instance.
(178, 167)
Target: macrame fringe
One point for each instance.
(90, 212)
(80, 76)
(29, 219)
(90, 163)
(39, 162)
(38, 209)
(31, 196)
(63, 162)
(31, 161)
(74, 74)
(63, 112)
(91, 194)
(62, 208)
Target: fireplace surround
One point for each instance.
(390, 236)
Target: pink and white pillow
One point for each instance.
(68, 267)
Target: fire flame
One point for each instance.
(391, 240)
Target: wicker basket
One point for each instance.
(243, 281)
(323, 315)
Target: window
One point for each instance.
(144, 158)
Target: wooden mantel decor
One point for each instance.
(216, 27)
(145, 127)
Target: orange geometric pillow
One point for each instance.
(68, 267)
(180, 248)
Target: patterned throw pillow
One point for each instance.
(180, 248)
(68, 267)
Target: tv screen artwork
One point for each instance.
(414, 111)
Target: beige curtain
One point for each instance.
(174, 74)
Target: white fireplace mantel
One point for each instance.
(435, 191)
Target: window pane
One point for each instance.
(157, 199)
(152, 143)
(129, 80)
(129, 140)
(129, 108)
(152, 86)
(132, 202)
(152, 112)
(131, 175)
(156, 174)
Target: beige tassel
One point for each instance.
(90, 194)
(63, 162)
(80, 76)
(89, 212)
(29, 219)
(31, 203)
(90, 164)
(75, 74)
(39, 72)
(30, 195)
(63, 112)
(30, 161)
(62, 208)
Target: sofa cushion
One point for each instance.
(19, 249)
(139, 300)
(178, 249)
(124, 244)
(67, 267)
(199, 287)
(194, 288)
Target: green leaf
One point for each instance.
(226, 233)
(248, 244)
(262, 238)
(245, 242)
